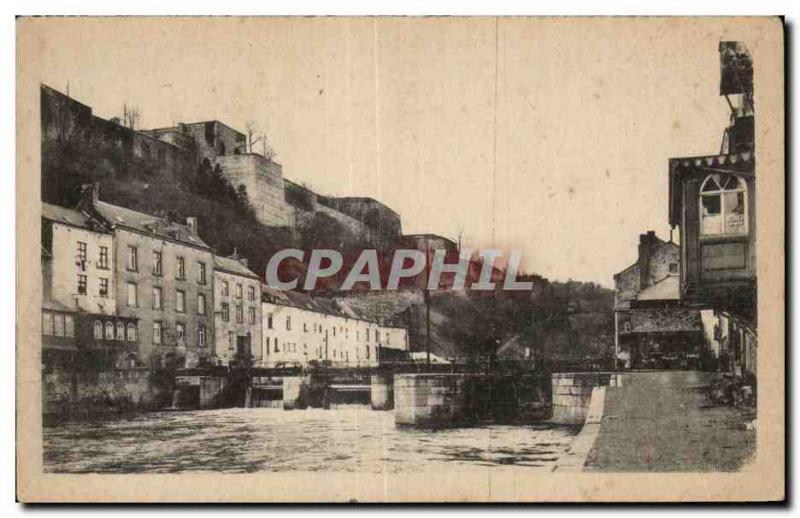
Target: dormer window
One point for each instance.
(723, 206)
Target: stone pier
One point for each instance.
(572, 392)
(294, 391)
(382, 392)
(429, 400)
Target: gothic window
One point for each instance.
(131, 333)
(120, 331)
(109, 331)
(98, 330)
(723, 206)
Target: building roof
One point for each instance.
(147, 223)
(306, 302)
(72, 217)
(54, 305)
(665, 289)
(234, 266)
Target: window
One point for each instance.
(120, 331)
(131, 333)
(305, 327)
(133, 260)
(109, 331)
(201, 335)
(58, 324)
(81, 284)
(103, 290)
(157, 298)
(180, 301)
(132, 296)
(81, 255)
(225, 288)
(239, 314)
(69, 326)
(181, 273)
(47, 323)
(97, 330)
(156, 332)
(377, 337)
(673, 267)
(232, 342)
(158, 261)
(180, 331)
(226, 312)
(103, 261)
(269, 321)
(723, 208)
(367, 348)
(288, 323)
(238, 291)
(277, 350)
(201, 272)
(251, 293)
(201, 304)
(251, 315)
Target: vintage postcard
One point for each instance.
(400, 259)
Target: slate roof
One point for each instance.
(72, 217)
(230, 265)
(665, 289)
(148, 224)
(306, 302)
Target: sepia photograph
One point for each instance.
(400, 259)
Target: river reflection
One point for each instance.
(242, 440)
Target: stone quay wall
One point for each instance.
(572, 393)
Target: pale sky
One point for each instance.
(403, 110)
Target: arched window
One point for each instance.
(120, 331)
(131, 332)
(723, 205)
(201, 335)
(98, 330)
(109, 331)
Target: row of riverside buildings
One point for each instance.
(701, 292)
(123, 289)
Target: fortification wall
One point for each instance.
(263, 180)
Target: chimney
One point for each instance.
(646, 244)
(90, 195)
(191, 222)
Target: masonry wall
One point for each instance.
(65, 268)
(227, 332)
(151, 353)
(263, 180)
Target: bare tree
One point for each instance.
(130, 116)
(254, 137)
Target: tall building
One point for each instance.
(712, 201)
(163, 276)
(237, 312)
(80, 326)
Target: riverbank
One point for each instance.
(663, 421)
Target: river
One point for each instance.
(246, 440)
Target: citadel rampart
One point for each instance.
(277, 202)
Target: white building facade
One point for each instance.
(299, 330)
(237, 312)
